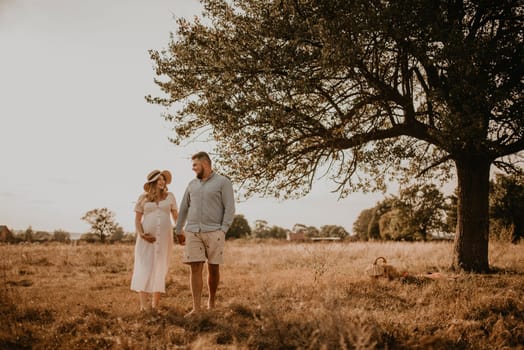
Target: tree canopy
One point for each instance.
(418, 211)
(333, 231)
(507, 204)
(102, 221)
(239, 228)
(264, 230)
(360, 91)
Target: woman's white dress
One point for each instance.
(152, 259)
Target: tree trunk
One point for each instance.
(472, 232)
(424, 233)
(516, 231)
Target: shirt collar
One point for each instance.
(209, 177)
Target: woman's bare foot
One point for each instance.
(155, 300)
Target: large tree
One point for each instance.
(239, 228)
(361, 224)
(362, 90)
(333, 231)
(386, 205)
(425, 208)
(418, 211)
(102, 222)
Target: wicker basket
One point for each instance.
(377, 268)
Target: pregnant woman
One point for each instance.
(154, 242)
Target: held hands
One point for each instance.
(148, 237)
(181, 238)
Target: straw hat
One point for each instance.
(154, 175)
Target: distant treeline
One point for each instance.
(419, 212)
(422, 212)
(31, 236)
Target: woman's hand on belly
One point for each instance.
(149, 238)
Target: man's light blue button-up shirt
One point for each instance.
(207, 205)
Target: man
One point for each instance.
(208, 206)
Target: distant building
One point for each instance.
(5, 234)
(295, 236)
(299, 227)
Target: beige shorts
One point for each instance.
(204, 246)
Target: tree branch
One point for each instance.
(511, 149)
(437, 163)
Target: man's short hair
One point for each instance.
(202, 156)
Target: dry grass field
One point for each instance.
(273, 295)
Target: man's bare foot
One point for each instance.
(192, 313)
(211, 305)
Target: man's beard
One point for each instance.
(200, 174)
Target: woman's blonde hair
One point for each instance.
(154, 194)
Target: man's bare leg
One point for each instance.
(213, 278)
(196, 284)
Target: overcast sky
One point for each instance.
(75, 131)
